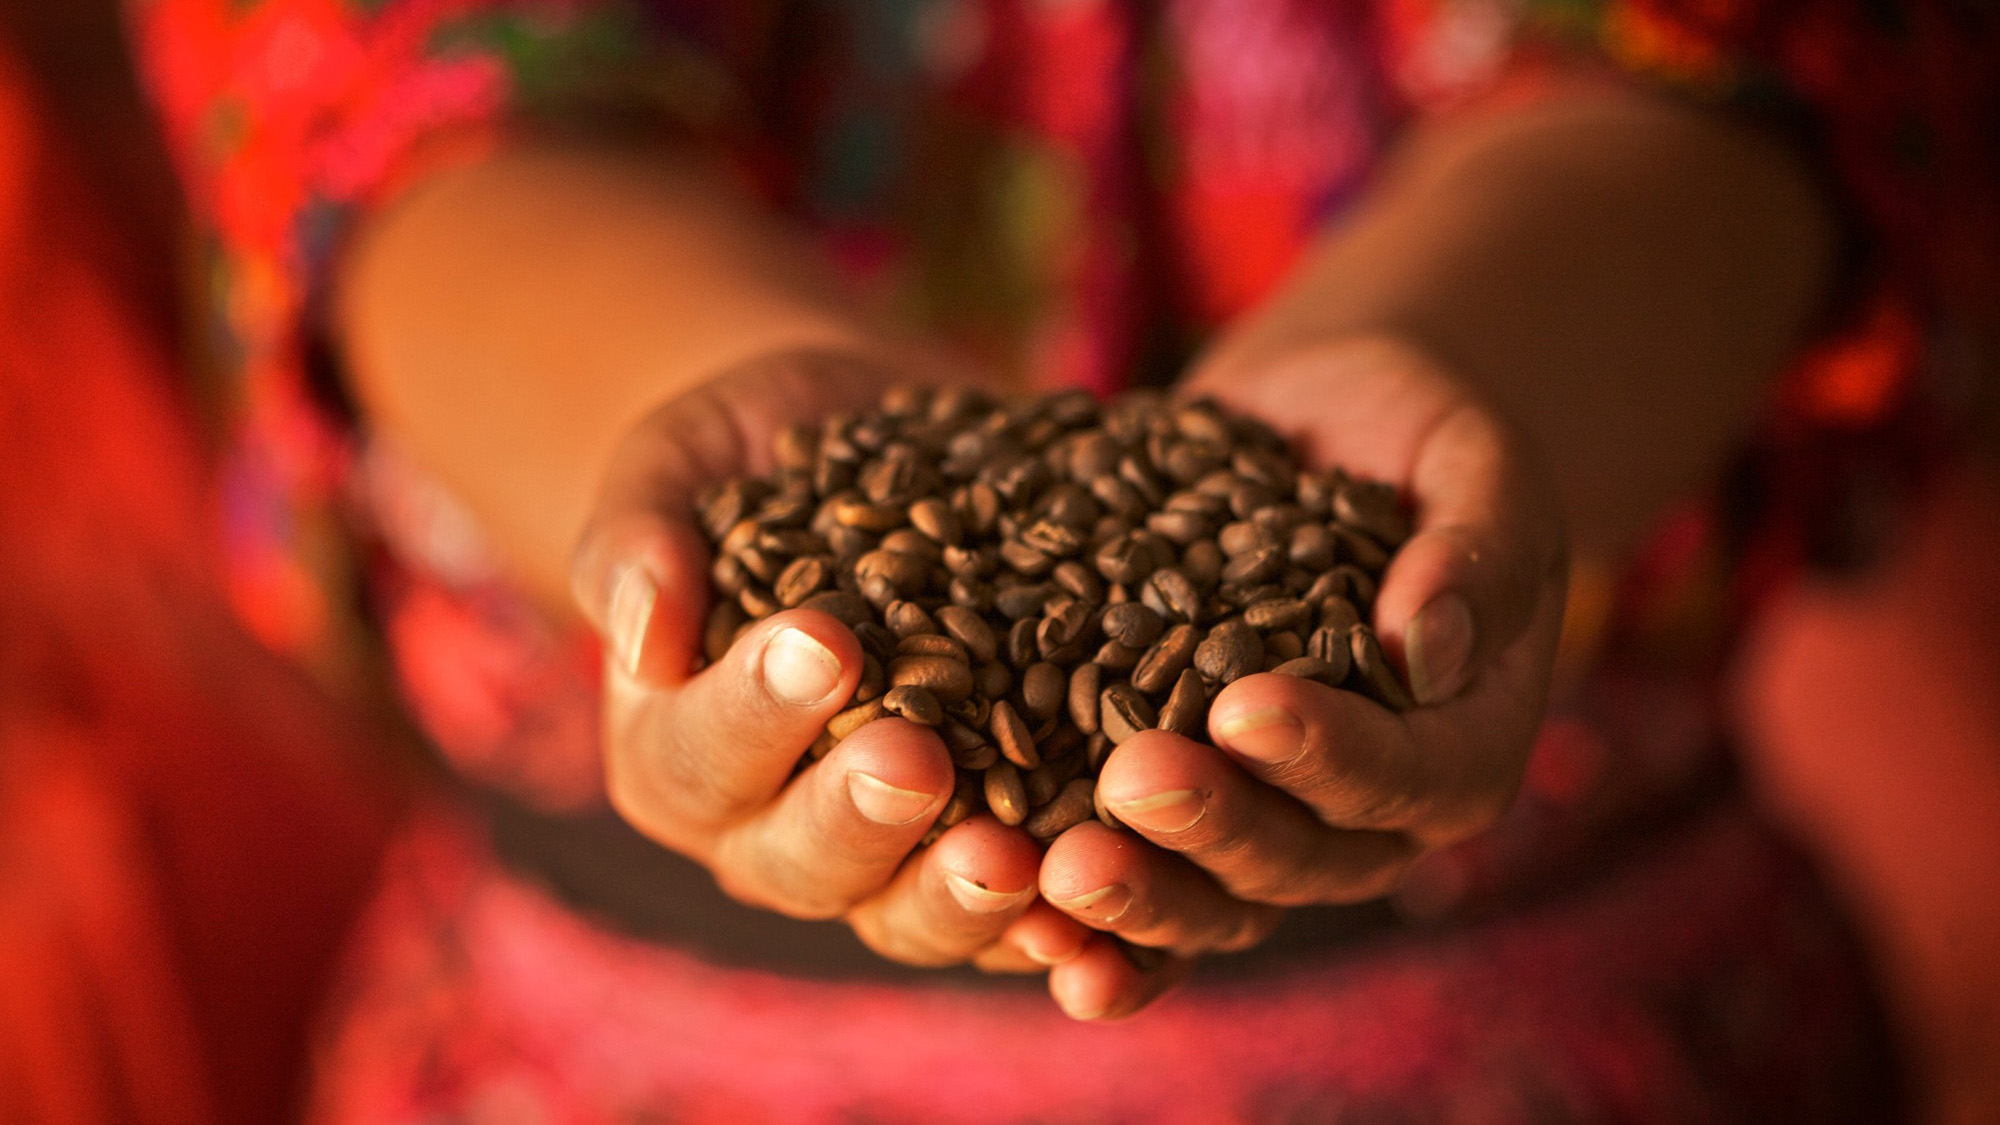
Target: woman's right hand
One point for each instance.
(705, 763)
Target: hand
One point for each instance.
(704, 763)
(1317, 795)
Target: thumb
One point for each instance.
(641, 579)
(1489, 548)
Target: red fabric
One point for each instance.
(181, 837)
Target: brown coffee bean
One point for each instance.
(1043, 686)
(992, 679)
(849, 609)
(874, 679)
(1336, 612)
(1358, 549)
(1124, 712)
(1231, 651)
(1259, 565)
(1078, 581)
(970, 593)
(1072, 805)
(1373, 667)
(1132, 625)
(1012, 736)
(853, 511)
(1309, 668)
(908, 619)
(1372, 508)
(950, 680)
(932, 644)
(1114, 657)
(1084, 684)
(1005, 794)
(724, 618)
(1170, 594)
(933, 517)
(1062, 634)
(1283, 646)
(1167, 659)
(1103, 811)
(959, 738)
(854, 718)
(905, 574)
(1126, 559)
(802, 578)
(758, 602)
(1278, 613)
(1203, 563)
(915, 704)
(1016, 602)
(1020, 649)
(1186, 709)
(1243, 537)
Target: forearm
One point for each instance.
(1620, 276)
(503, 324)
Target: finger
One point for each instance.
(1258, 843)
(953, 898)
(1111, 881)
(1489, 549)
(688, 761)
(1110, 981)
(1042, 937)
(641, 580)
(838, 833)
(1436, 774)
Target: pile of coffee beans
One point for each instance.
(1040, 580)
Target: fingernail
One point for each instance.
(1050, 958)
(633, 597)
(798, 669)
(980, 900)
(1080, 1010)
(1268, 734)
(1437, 645)
(883, 803)
(1176, 810)
(1105, 904)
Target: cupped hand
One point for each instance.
(1312, 795)
(706, 762)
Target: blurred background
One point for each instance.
(189, 824)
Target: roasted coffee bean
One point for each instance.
(950, 680)
(758, 602)
(932, 644)
(1167, 659)
(854, 718)
(724, 618)
(934, 518)
(915, 704)
(1203, 563)
(992, 679)
(1187, 707)
(1084, 684)
(1336, 612)
(1309, 668)
(1072, 805)
(874, 679)
(1231, 651)
(1372, 508)
(1373, 668)
(1103, 811)
(1006, 796)
(1012, 736)
(1283, 646)
(905, 574)
(1278, 613)
(1078, 581)
(908, 619)
(853, 511)
(1171, 595)
(1132, 625)
(849, 609)
(1043, 686)
(1115, 657)
(1259, 565)
(1016, 602)
(1124, 712)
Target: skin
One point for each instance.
(1552, 316)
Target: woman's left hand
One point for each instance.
(1312, 795)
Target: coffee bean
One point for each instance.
(915, 704)
(934, 518)
(950, 680)
(1012, 736)
(1084, 684)
(1373, 667)
(1278, 613)
(992, 679)
(905, 574)
(1167, 659)
(1187, 707)
(932, 644)
(1309, 668)
(1132, 625)
(874, 679)
(724, 618)
(1071, 806)
(908, 619)
(1231, 651)
(854, 718)
(1115, 657)
(1123, 712)
(1005, 794)
(1171, 595)
(1043, 686)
